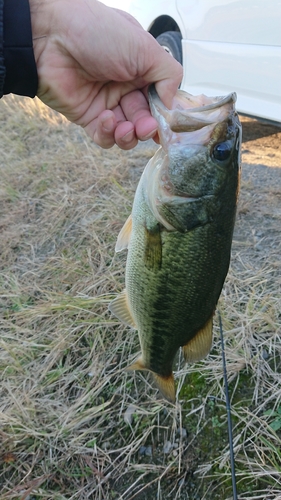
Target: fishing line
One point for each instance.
(228, 410)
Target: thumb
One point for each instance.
(168, 87)
(167, 75)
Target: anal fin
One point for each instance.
(137, 365)
(200, 345)
(119, 307)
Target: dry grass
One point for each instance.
(73, 424)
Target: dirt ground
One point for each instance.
(73, 423)
(259, 208)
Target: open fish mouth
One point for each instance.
(197, 115)
(202, 102)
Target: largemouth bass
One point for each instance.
(180, 232)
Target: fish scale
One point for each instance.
(179, 234)
(160, 292)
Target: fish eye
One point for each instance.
(222, 151)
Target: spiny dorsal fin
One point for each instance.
(119, 307)
(198, 347)
(123, 238)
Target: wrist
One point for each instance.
(41, 24)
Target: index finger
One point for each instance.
(136, 110)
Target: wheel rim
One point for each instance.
(167, 49)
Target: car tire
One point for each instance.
(171, 42)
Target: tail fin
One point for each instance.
(166, 385)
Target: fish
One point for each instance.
(179, 234)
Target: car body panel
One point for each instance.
(232, 21)
(228, 45)
(252, 71)
(147, 11)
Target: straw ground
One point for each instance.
(73, 423)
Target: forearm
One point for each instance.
(18, 73)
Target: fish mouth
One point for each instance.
(190, 113)
(191, 102)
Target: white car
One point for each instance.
(224, 46)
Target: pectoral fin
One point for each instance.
(123, 238)
(200, 345)
(153, 248)
(166, 385)
(120, 308)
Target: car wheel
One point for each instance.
(171, 42)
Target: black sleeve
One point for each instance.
(2, 66)
(18, 73)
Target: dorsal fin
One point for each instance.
(200, 345)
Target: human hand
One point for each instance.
(94, 64)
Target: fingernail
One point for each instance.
(108, 124)
(129, 136)
(150, 135)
